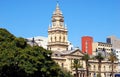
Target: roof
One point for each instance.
(69, 52)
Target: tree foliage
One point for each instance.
(86, 58)
(18, 59)
(99, 57)
(76, 65)
(112, 58)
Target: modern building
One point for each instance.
(102, 47)
(114, 41)
(117, 51)
(38, 40)
(87, 44)
(91, 47)
(115, 46)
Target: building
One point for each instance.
(63, 52)
(91, 47)
(66, 58)
(57, 32)
(106, 68)
(58, 43)
(105, 48)
(114, 41)
(115, 46)
(117, 51)
(43, 42)
(87, 44)
(39, 40)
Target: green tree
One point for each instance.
(99, 57)
(86, 58)
(76, 65)
(112, 58)
(65, 73)
(18, 59)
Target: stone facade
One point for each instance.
(106, 68)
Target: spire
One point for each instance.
(57, 6)
(57, 18)
(57, 10)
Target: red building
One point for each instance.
(87, 44)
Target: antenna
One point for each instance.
(57, 1)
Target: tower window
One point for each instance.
(51, 39)
(67, 49)
(55, 39)
(64, 39)
(60, 38)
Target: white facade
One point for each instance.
(117, 52)
(39, 40)
(101, 47)
(43, 42)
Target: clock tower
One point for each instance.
(57, 32)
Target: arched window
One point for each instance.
(62, 65)
(51, 39)
(109, 67)
(104, 67)
(55, 38)
(64, 39)
(94, 67)
(60, 38)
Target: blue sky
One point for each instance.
(29, 18)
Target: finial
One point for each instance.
(57, 3)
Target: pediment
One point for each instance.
(76, 52)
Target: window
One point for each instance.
(64, 39)
(55, 39)
(117, 55)
(51, 39)
(56, 54)
(60, 38)
(109, 67)
(104, 67)
(62, 65)
(94, 67)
